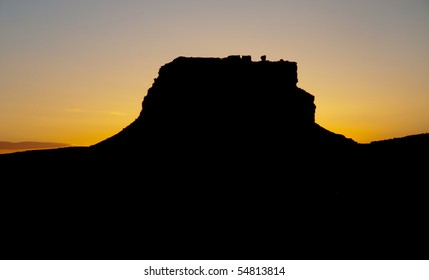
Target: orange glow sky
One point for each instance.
(77, 71)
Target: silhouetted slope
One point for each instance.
(30, 145)
(411, 141)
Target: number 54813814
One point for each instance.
(264, 270)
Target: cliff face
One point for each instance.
(197, 102)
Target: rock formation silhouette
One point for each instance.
(215, 106)
(227, 150)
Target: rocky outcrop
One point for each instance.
(219, 103)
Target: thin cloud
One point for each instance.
(30, 145)
(78, 110)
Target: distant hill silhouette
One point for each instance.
(10, 147)
(236, 141)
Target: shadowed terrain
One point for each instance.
(224, 161)
(30, 145)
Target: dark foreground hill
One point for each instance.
(224, 161)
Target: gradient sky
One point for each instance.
(77, 71)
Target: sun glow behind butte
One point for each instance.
(76, 71)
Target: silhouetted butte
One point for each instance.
(236, 141)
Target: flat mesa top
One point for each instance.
(231, 59)
(280, 73)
